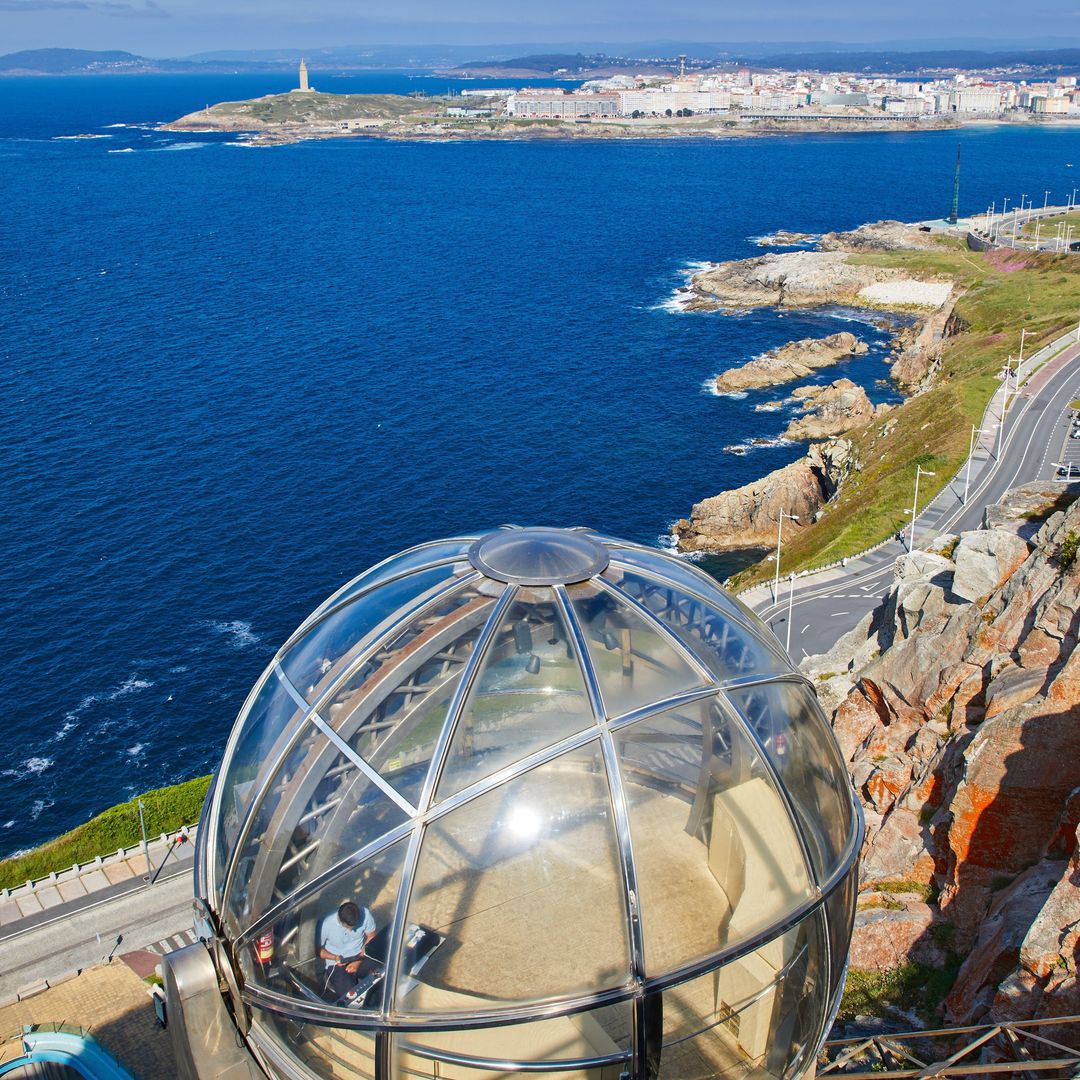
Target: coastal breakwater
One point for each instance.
(748, 517)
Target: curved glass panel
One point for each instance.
(716, 853)
(760, 1015)
(414, 558)
(525, 885)
(635, 664)
(725, 646)
(321, 953)
(392, 709)
(325, 1052)
(319, 657)
(264, 731)
(801, 747)
(840, 914)
(558, 1043)
(319, 808)
(684, 572)
(529, 694)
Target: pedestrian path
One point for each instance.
(83, 884)
(169, 944)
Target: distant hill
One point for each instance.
(69, 61)
(1037, 61)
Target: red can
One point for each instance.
(264, 947)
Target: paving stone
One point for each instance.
(137, 864)
(49, 896)
(72, 890)
(118, 872)
(9, 913)
(94, 880)
(29, 904)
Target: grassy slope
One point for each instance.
(1041, 292)
(165, 810)
(317, 108)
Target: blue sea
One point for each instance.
(232, 378)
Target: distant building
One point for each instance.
(303, 88)
(985, 100)
(542, 106)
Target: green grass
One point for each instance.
(165, 810)
(917, 988)
(1037, 291)
(897, 888)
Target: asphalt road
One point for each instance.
(120, 923)
(1037, 435)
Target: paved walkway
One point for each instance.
(82, 886)
(110, 1001)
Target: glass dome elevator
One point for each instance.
(599, 821)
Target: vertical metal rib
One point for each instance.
(581, 651)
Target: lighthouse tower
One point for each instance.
(303, 88)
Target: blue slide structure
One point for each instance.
(66, 1046)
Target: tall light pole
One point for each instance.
(790, 609)
(1004, 403)
(1023, 335)
(779, 540)
(145, 845)
(1046, 200)
(1038, 226)
(975, 432)
(919, 472)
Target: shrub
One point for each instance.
(1067, 552)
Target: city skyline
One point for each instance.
(179, 27)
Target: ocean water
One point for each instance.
(232, 378)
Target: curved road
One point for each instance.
(1037, 427)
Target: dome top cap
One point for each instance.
(538, 556)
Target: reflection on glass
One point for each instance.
(600, 1033)
(524, 884)
(529, 694)
(635, 664)
(331, 948)
(265, 730)
(716, 853)
(761, 1014)
(413, 559)
(326, 1052)
(319, 809)
(796, 736)
(392, 709)
(319, 657)
(725, 646)
(840, 909)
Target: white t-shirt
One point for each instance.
(337, 938)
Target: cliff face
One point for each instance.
(957, 705)
(748, 516)
(831, 410)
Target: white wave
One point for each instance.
(32, 766)
(178, 669)
(683, 294)
(239, 633)
(756, 443)
(773, 240)
(64, 731)
(136, 750)
(248, 145)
(768, 406)
(179, 146)
(131, 685)
(39, 806)
(125, 150)
(114, 125)
(8, 824)
(69, 138)
(709, 387)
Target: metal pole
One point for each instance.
(914, 508)
(1046, 200)
(1038, 226)
(790, 608)
(145, 845)
(776, 579)
(971, 451)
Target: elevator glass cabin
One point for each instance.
(599, 820)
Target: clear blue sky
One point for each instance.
(179, 27)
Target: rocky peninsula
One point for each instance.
(831, 410)
(793, 361)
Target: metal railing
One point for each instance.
(984, 1049)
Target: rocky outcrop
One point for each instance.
(789, 279)
(793, 361)
(960, 722)
(879, 236)
(829, 410)
(748, 516)
(785, 238)
(919, 348)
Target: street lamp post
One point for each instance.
(919, 472)
(779, 540)
(790, 609)
(145, 845)
(1006, 376)
(1046, 200)
(1038, 227)
(975, 432)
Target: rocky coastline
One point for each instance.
(957, 707)
(793, 361)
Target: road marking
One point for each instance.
(805, 628)
(865, 587)
(834, 614)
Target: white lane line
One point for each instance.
(805, 628)
(834, 614)
(865, 587)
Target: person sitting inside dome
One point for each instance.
(343, 937)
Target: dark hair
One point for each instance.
(349, 914)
